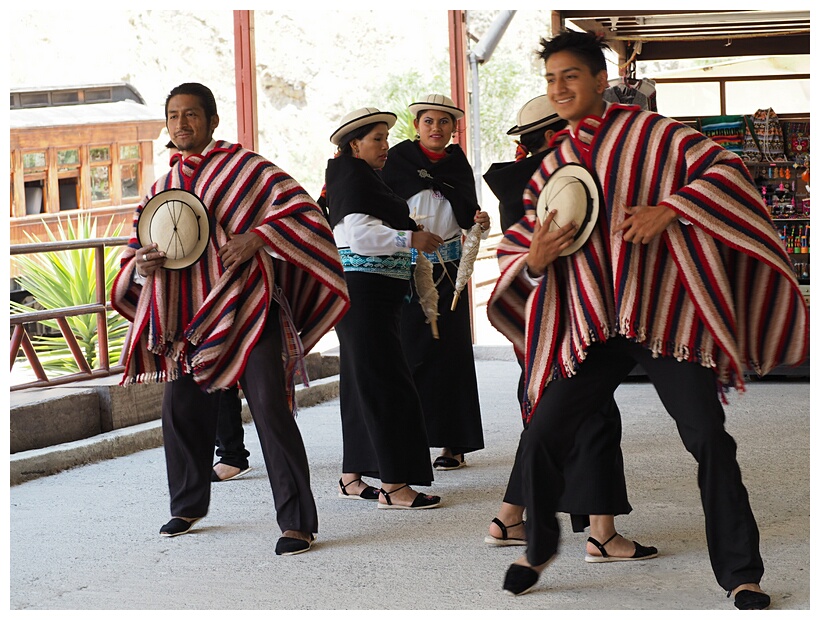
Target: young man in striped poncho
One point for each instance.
(268, 286)
(683, 274)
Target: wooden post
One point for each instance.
(458, 87)
(458, 68)
(245, 59)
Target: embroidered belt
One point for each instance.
(449, 251)
(394, 266)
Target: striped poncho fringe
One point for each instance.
(719, 292)
(205, 320)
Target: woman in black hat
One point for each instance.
(437, 181)
(383, 430)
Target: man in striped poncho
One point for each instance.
(268, 286)
(683, 274)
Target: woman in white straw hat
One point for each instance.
(595, 488)
(438, 183)
(383, 431)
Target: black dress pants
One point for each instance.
(230, 435)
(189, 421)
(689, 394)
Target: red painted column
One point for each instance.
(458, 87)
(245, 59)
(458, 69)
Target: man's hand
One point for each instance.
(645, 223)
(546, 245)
(149, 259)
(239, 249)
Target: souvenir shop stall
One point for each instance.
(775, 145)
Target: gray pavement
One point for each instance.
(87, 538)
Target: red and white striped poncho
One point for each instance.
(204, 320)
(720, 292)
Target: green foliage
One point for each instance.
(505, 82)
(399, 91)
(505, 86)
(67, 278)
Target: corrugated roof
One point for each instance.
(61, 116)
(666, 34)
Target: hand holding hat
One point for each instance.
(548, 243)
(572, 194)
(149, 259)
(175, 224)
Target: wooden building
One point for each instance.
(79, 148)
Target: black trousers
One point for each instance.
(443, 369)
(230, 435)
(189, 421)
(689, 393)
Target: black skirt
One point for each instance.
(443, 370)
(383, 431)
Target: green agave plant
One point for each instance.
(67, 278)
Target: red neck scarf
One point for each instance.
(434, 157)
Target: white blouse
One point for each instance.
(369, 236)
(429, 208)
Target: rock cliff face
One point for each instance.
(312, 65)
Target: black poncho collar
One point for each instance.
(507, 180)
(354, 187)
(408, 171)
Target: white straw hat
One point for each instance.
(360, 118)
(572, 192)
(535, 114)
(177, 221)
(436, 102)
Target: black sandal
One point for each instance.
(369, 492)
(421, 502)
(641, 552)
(505, 540)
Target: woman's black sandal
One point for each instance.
(505, 540)
(641, 552)
(369, 492)
(421, 502)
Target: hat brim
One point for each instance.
(543, 123)
(177, 199)
(593, 196)
(376, 117)
(420, 106)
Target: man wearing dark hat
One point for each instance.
(265, 286)
(683, 300)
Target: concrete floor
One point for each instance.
(87, 538)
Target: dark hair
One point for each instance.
(202, 92)
(589, 46)
(356, 134)
(534, 140)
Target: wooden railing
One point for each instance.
(19, 336)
